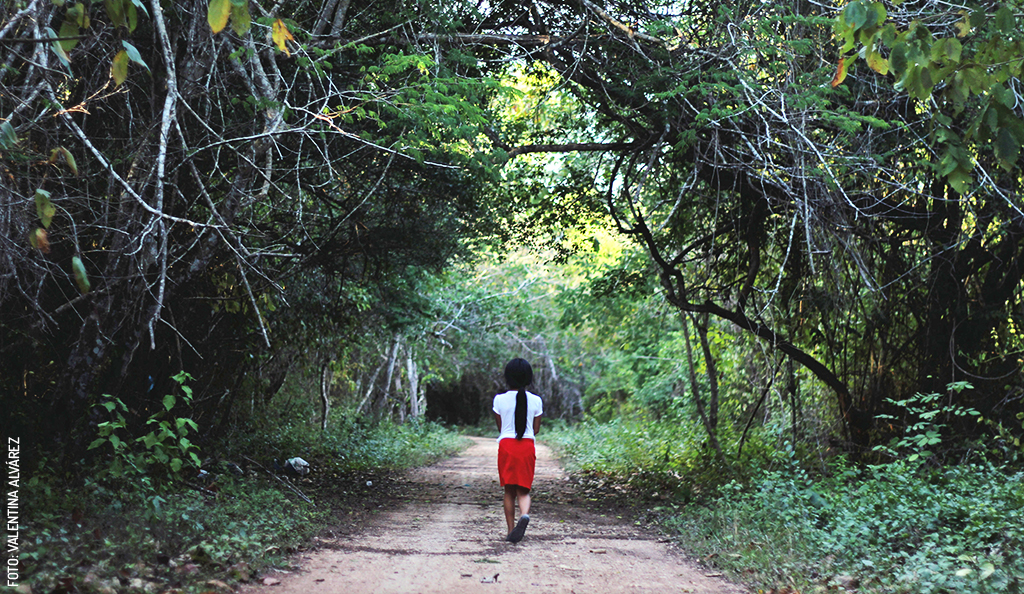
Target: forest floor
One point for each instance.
(442, 530)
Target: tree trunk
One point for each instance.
(696, 393)
(392, 358)
(370, 385)
(709, 361)
(325, 394)
(414, 386)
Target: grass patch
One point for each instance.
(135, 534)
(900, 527)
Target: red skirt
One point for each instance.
(517, 459)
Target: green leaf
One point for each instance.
(1007, 148)
(132, 15)
(876, 14)
(116, 12)
(856, 15)
(78, 15)
(947, 164)
(898, 59)
(133, 54)
(987, 569)
(1004, 20)
(946, 49)
(68, 158)
(119, 67)
(960, 181)
(44, 208)
(977, 80)
(169, 400)
(68, 29)
(81, 278)
(96, 443)
(57, 49)
(217, 14)
(978, 18)
(877, 63)
(241, 20)
(8, 137)
(912, 83)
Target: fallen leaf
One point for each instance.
(240, 571)
(269, 581)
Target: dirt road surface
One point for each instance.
(448, 536)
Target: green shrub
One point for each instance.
(116, 526)
(896, 527)
(664, 457)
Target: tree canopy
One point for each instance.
(235, 188)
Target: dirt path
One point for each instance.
(448, 537)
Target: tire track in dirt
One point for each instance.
(447, 536)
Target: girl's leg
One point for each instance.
(511, 491)
(523, 495)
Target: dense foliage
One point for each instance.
(896, 527)
(128, 531)
(718, 228)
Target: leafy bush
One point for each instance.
(903, 527)
(350, 443)
(113, 528)
(895, 527)
(664, 457)
(164, 453)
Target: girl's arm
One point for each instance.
(536, 425)
(497, 420)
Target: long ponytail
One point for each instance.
(520, 413)
(518, 375)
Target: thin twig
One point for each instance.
(282, 481)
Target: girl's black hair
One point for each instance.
(518, 375)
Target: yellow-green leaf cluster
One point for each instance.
(281, 36)
(220, 12)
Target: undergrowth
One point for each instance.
(145, 532)
(901, 527)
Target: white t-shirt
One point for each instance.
(505, 405)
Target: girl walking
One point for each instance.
(517, 414)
